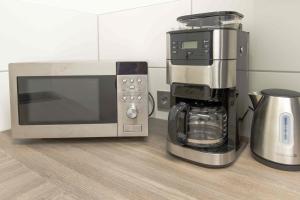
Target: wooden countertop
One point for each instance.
(130, 168)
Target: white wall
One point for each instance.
(274, 40)
(97, 6)
(33, 32)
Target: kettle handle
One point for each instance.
(174, 126)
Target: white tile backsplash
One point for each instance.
(274, 43)
(33, 32)
(140, 34)
(157, 81)
(264, 80)
(4, 102)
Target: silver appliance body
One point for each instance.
(229, 56)
(275, 133)
(70, 100)
(219, 61)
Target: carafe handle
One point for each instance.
(174, 124)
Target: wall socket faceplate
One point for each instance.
(163, 100)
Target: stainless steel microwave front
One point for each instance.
(65, 100)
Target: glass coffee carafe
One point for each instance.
(198, 126)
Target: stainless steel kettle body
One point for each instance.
(275, 131)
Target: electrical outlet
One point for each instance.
(163, 100)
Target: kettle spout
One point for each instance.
(255, 98)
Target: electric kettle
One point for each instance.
(275, 131)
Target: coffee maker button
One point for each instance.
(131, 87)
(131, 80)
(124, 98)
(124, 81)
(139, 98)
(132, 97)
(139, 80)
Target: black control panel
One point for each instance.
(191, 47)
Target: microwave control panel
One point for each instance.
(132, 94)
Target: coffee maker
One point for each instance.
(207, 65)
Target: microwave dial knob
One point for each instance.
(132, 112)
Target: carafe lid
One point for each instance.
(281, 93)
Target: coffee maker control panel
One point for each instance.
(190, 48)
(132, 94)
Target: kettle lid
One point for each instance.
(281, 93)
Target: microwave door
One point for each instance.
(67, 100)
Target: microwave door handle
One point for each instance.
(180, 132)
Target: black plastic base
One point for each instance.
(274, 164)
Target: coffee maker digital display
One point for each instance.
(207, 74)
(189, 45)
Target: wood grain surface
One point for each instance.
(129, 168)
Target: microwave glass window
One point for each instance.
(189, 45)
(67, 100)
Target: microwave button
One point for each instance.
(131, 87)
(132, 128)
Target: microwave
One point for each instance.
(71, 100)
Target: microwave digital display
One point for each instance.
(189, 45)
